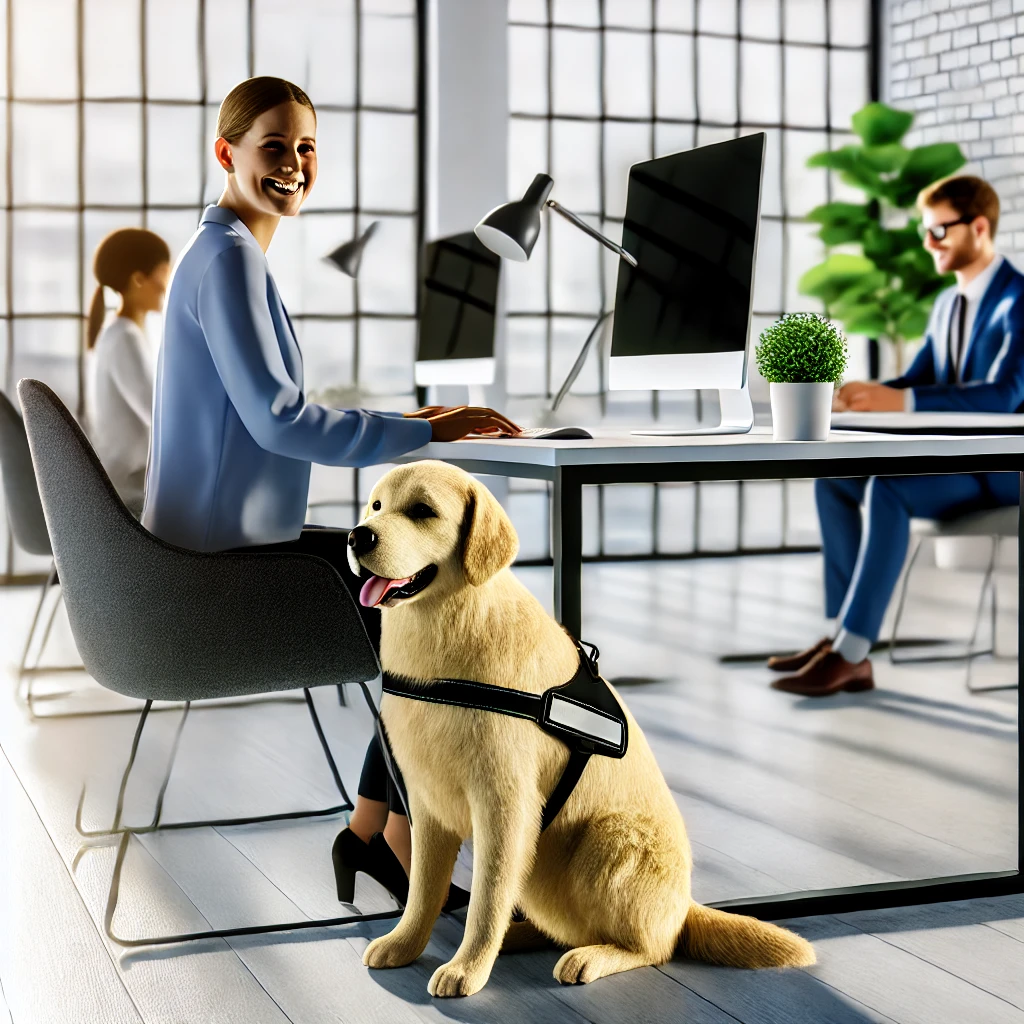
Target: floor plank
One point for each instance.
(53, 965)
(944, 935)
(895, 982)
(772, 997)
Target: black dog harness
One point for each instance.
(583, 713)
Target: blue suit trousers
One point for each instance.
(865, 531)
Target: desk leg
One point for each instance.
(567, 550)
(1020, 711)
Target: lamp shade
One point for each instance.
(349, 255)
(511, 230)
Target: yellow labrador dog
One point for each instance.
(610, 878)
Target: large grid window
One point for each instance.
(110, 110)
(598, 85)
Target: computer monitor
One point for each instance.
(682, 314)
(458, 297)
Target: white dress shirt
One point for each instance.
(973, 293)
(120, 406)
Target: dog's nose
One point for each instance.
(361, 540)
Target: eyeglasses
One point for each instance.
(939, 231)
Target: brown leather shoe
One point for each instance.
(826, 673)
(795, 662)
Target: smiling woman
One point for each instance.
(266, 142)
(233, 432)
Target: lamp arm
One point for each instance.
(584, 226)
(580, 360)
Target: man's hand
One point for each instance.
(858, 396)
(452, 424)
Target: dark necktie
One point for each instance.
(955, 340)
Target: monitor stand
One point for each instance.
(737, 417)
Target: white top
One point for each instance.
(972, 292)
(120, 405)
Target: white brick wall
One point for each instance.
(959, 66)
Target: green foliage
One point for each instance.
(888, 290)
(801, 348)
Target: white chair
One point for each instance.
(996, 524)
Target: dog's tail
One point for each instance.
(732, 940)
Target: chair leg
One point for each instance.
(35, 621)
(893, 660)
(216, 933)
(155, 825)
(971, 652)
(988, 586)
(126, 833)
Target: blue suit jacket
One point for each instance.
(233, 435)
(993, 365)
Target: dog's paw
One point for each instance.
(575, 968)
(391, 951)
(588, 963)
(455, 979)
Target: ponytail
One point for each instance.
(117, 257)
(97, 311)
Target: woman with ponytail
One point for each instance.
(136, 264)
(233, 432)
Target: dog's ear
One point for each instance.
(489, 541)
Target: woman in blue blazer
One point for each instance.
(233, 435)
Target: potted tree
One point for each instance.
(884, 284)
(803, 358)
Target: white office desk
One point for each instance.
(614, 456)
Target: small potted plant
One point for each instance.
(803, 358)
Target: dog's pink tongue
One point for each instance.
(376, 588)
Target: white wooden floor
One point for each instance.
(914, 779)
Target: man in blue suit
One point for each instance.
(972, 360)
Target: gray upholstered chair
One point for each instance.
(27, 524)
(995, 524)
(159, 622)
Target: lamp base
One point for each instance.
(737, 417)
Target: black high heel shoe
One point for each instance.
(375, 858)
(457, 897)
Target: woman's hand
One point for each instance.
(426, 412)
(451, 424)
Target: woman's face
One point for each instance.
(274, 164)
(148, 290)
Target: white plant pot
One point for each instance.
(801, 412)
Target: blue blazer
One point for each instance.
(993, 365)
(233, 435)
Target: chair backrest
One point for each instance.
(21, 493)
(156, 621)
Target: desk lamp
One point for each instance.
(349, 255)
(511, 230)
(346, 258)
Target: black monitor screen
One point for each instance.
(459, 293)
(691, 224)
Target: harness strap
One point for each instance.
(582, 713)
(462, 693)
(563, 788)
